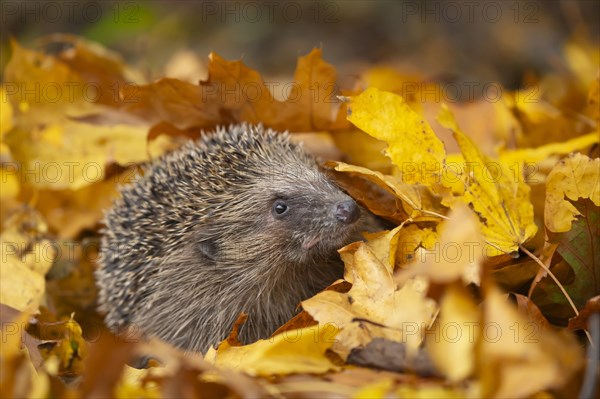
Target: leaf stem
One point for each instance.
(547, 270)
(543, 266)
(434, 214)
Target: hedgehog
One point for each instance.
(242, 220)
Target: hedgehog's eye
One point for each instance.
(280, 208)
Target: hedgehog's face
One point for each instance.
(312, 219)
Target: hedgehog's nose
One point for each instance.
(347, 212)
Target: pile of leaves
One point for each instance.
(486, 287)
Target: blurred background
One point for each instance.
(500, 41)
(552, 45)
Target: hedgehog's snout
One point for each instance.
(347, 211)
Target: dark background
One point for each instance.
(458, 40)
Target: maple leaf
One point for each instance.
(574, 177)
(576, 264)
(235, 93)
(412, 144)
(499, 197)
(375, 306)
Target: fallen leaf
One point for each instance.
(510, 158)
(576, 263)
(451, 343)
(412, 145)
(374, 307)
(514, 359)
(457, 254)
(531, 313)
(19, 378)
(417, 200)
(70, 349)
(580, 322)
(499, 197)
(234, 93)
(574, 177)
(68, 212)
(363, 150)
(292, 351)
(412, 238)
(510, 273)
(541, 121)
(27, 257)
(72, 155)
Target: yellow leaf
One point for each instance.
(414, 87)
(74, 348)
(132, 383)
(516, 358)
(26, 258)
(10, 184)
(512, 157)
(498, 196)
(70, 350)
(6, 112)
(412, 145)
(375, 390)
(6, 122)
(292, 351)
(452, 345)
(68, 212)
(395, 313)
(416, 199)
(53, 88)
(574, 177)
(74, 154)
(22, 288)
(541, 120)
(582, 58)
(411, 238)
(459, 252)
(363, 150)
(384, 245)
(428, 392)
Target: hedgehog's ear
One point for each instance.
(204, 241)
(208, 248)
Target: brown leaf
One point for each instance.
(510, 273)
(531, 312)
(104, 364)
(235, 93)
(576, 264)
(580, 322)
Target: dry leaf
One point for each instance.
(514, 357)
(499, 197)
(292, 351)
(417, 200)
(458, 253)
(452, 343)
(26, 258)
(374, 307)
(574, 177)
(412, 145)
